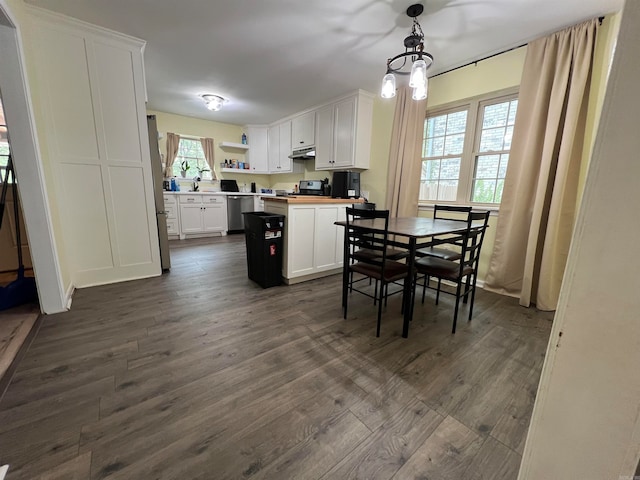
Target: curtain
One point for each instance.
(173, 141)
(209, 155)
(405, 155)
(539, 201)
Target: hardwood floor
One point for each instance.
(201, 374)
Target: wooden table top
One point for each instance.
(416, 227)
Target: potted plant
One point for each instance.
(184, 167)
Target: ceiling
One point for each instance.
(272, 58)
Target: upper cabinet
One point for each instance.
(257, 156)
(343, 133)
(303, 130)
(280, 149)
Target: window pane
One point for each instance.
(434, 147)
(487, 166)
(457, 122)
(429, 190)
(450, 169)
(504, 160)
(436, 126)
(492, 139)
(431, 170)
(448, 190)
(454, 144)
(507, 138)
(499, 188)
(483, 191)
(495, 115)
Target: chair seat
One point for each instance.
(443, 253)
(392, 270)
(439, 267)
(392, 254)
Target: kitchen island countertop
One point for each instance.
(301, 199)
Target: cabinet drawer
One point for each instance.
(172, 227)
(172, 211)
(209, 199)
(190, 199)
(169, 199)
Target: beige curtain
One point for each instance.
(405, 155)
(539, 201)
(173, 141)
(209, 155)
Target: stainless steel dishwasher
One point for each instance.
(236, 205)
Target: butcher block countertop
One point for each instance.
(300, 199)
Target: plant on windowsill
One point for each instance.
(184, 167)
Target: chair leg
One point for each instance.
(473, 296)
(350, 281)
(424, 286)
(345, 295)
(438, 292)
(379, 309)
(386, 294)
(466, 291)
(375, 293)
(455, 312)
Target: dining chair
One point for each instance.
(463, 272)
(377, 267)
(447, 212)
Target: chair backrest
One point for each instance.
(448, 212)
(364, 206)
(472, 239)
(358, 237)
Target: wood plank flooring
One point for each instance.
(202, 374)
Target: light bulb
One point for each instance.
(418, 73)
(388, 86)
(420, 92)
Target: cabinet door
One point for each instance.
(190, 219)
(214, 218)
(344, 126)
(303, 130)
(326, 248)
(286, 164)
(324, 138)
(273, 141)
(257, 155)
(301, 235)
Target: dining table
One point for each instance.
(411, 233)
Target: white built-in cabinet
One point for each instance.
(303, 130)
(313, 244)
(343, 133)
(280, 149)
(257, 156)
(89, 94)
(202, 214)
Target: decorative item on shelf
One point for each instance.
(244, 139)
(201, 172)
(184, 168)
(420, 61)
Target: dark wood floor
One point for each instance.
(202, 374)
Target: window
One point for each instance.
(4, 146)
(465, 150)
(190, 153)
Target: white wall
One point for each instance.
(585, 423)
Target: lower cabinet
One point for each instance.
(313, 245)
(202, 214)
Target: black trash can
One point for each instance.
(263, 234)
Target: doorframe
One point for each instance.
(28, 165)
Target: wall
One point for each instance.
(586, 419)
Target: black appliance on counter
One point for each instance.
(310, 187)
(346, 185)
(229, 186)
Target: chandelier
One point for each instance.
(214, 102)
(420, 61)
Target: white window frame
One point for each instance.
(471, 142)
(178, 160)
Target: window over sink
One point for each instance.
(190, 153)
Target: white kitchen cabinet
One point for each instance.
(303, 130)
(343, 133)
(313, 244)
(202, 214)
(257, 156)
(280, 149)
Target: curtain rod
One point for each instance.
(475, 62)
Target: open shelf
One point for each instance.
(235, 170)
(239, 146)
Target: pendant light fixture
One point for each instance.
(414, 52)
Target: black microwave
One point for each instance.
(345, 185)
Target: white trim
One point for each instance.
(69, 295)
(3, 471)
(28, 165)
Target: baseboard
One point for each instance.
(3, 471)
(69, 295)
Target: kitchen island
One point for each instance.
(313, 245)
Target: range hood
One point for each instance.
(303, 153)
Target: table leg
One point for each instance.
(345, 269)
(408, 292)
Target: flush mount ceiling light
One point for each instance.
(214, 102)
(420, 61)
